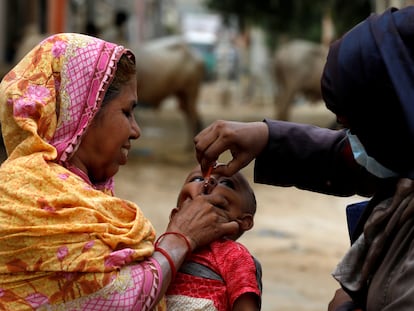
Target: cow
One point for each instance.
(297, 69)
(169, 68)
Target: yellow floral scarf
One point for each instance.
(60, 237)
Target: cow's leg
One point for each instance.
(188, 105)
(285, 94)
(283, 104)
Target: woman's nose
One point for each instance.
(135, 129)
(209, 185)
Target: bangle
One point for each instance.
(169, 259)
(187, 242)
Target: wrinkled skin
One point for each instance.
(107, 141)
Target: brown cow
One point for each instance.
(297, 70)
(170, 68)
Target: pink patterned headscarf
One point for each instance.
(66, 244)
(50, 97)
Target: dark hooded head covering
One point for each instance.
(369, 79)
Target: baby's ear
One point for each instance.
(173, 212)
(246, 222)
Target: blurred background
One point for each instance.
(203, 60)
(255, 55)
(238, 35)
(237, 40)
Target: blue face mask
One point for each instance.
(363, 159)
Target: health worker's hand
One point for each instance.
(245, 141)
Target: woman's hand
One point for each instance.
(244, 140)
(201, 221)
(197, 222)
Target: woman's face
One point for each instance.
(107, 141)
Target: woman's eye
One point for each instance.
(228, 183)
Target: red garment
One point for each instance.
(233, 262)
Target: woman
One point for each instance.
(66, 242)
(368, 82)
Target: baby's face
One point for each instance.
(234, 192)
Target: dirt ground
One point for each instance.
(298, 236)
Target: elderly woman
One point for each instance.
(368, 82)
(66, 242)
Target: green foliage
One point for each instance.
(292, 18)
(347, 14)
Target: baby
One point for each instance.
(224, 275)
